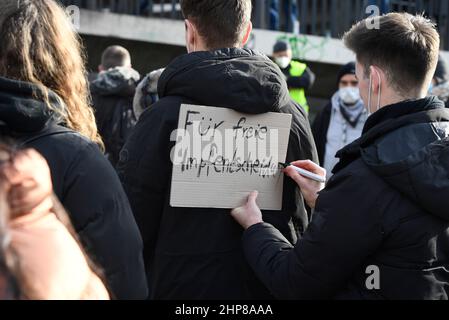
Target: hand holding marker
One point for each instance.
(305, 173)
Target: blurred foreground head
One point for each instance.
(40, 257)
(38, 44)
(216, 24)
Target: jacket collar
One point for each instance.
(391, 118)
(236, 78)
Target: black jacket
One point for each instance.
(320, 128)
(112, 97)
(85, 183)
(196, 253)
(386, 207)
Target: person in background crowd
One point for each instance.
(283, 9)
(380, 229)
(291, 12)
(440, 82)
(112, 97)
(146, 92)
(299, 77)
(44, 104)
(275, 16)
(144, 6)
(40, 257)
(194, 253)
(342, 120)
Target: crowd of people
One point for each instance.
(85, 168)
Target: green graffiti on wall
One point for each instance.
(302, 45)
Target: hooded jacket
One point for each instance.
(146, 92)
(112, 96)
(381, 226)
(196, 253)
(83, 180)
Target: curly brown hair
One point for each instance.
(38, 44)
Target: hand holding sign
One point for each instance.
(249, 214)
(222, 155)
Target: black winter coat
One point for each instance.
(386, 207)
(85, 183)
(196, 253)
(112, 97)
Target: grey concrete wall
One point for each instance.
(150, 56)
(171, 32)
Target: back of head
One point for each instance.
(115, 56)
(222, 23)
(38, 44)
(405, 46)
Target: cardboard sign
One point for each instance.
(222, 155)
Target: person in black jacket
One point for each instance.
(44, 105)
(193, 253)
(380, 229)
(112, 98)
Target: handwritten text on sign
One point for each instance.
(222, 155)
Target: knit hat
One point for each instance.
(346, 69)
(281, 46)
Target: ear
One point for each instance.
(249, 29)
(190, 36)
(378, 77)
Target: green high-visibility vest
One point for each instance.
(297, 69)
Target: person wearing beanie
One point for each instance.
(298, 75)
(342, 120)
(440, 82)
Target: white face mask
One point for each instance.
(349, 95)
(283, 62)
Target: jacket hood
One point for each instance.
(23, 107)
(146, 92)
(423, 176)
(413, 158)
(119, 81)
(239, 79)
